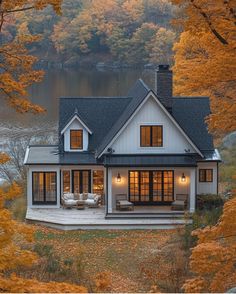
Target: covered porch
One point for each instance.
(151, 190)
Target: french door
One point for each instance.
(81, 181)
(151, 187)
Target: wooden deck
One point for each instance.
(94, 218)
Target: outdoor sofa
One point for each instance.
(70, 200)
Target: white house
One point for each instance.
(148, 147)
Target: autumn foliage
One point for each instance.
(17, 72)
(205, 58)
(14, 256)
(213, 259)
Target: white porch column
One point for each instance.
(109, 190)
(192, 201)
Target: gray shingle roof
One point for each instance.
(105, 116)
(99, 114)
(190, 113)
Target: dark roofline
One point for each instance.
(144, 84)
(97, 97)
(190, 97)
(38, 145)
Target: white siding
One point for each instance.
(151, 114)
(211, 187)
(179, 187)
(75, 125)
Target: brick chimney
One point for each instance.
(164, 85)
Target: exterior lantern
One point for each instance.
(183, 178)
(118, 178)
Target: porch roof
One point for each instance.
(151, 160)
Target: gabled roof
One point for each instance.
(99, 114)
(105, 116)
(73, 117)
(139, 91)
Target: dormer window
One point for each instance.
(76, 139)
(151, 136)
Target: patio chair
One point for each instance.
(122, 203)
(180, 202)
(68, 200)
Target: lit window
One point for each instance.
(151, 136)
(205, 175)
(76, 139)
(98, 182)
(66, 181)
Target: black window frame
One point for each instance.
(82, 143)
(151, 136)
(204, 170)
(44, 188)
(151, 202)
(81, 180)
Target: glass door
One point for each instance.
(81, 181)
(151, 187)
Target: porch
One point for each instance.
(152, 190)
(95, 218)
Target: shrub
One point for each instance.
(43, 249)
(209, 201)
(200, 219)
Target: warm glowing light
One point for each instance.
(118, 178)
(183, 178)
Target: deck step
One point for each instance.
(145, 216)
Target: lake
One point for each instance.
(67, 83)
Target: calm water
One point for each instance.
(67, 83)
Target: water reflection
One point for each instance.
(73, 83)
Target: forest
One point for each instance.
(126, 32)
(198, 39)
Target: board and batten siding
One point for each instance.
(122, 187)
(207, 187)
(75, 125)
(128, 141)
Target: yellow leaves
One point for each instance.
(204, 65)
(102, 281)
(19, 285)
(4, 158)
(213, 259)
(16, 64)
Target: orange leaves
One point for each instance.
(102, 281)
(16, 64)
(4, 158)
(19, 285)
(213, 259)
(206, 66)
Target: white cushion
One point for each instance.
(81, 196)
(91, 196)
(68, 196)
(71, 202)
(90, 201)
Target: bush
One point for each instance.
(209, 201)
(200, 219)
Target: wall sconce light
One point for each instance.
(183, 178)
(118, 178)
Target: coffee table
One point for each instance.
(80, 205)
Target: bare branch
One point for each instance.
(208, 21)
